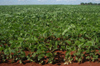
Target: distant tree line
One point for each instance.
(90, 3)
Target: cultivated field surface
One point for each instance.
(49, 33)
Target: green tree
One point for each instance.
(82, 3)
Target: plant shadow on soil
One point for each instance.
(59, 59)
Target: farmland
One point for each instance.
(44, 29)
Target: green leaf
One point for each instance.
(77, 42)
(66, 30)
(63, 47)
(88, 57)
(69, 42)
(20, 39)
(50, 60)
(79, 60)
(20, 61)
(36, 39)
(34, 54)
(1, 48)
(11, 41)
(82, 39)
(49, 54)
(40, 56)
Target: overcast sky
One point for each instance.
(21, 2)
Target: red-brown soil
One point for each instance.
(59, 61)
(61, 64)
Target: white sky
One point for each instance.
(16, 2)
